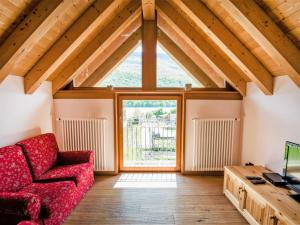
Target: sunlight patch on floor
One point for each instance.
(146, 180)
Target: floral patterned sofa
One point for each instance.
(40, 184)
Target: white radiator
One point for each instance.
(85, 134)
(213, 144)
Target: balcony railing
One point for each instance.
(150, 143)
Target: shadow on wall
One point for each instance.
(15, 137)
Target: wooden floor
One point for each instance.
(157, 198)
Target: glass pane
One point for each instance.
(149, 133)
(128, 73)
(170, 74)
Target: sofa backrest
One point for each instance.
(14, 170)
(41, 151)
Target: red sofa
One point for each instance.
(40, 184)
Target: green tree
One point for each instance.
(158, 113)
(173, 111)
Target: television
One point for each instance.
(291, 171)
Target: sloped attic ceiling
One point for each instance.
(80, 40)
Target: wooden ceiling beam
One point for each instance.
(266, 33)
(23, 32)
(93, 20)
(203, 47)
(104, 93)
(148, 7)
(190, 51)
(128, 18)
(112, 62)
(32, 38)
(82, 75)
(149, 43)
(224, 39)
(182, 59)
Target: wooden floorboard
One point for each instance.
(162, 198)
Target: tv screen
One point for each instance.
(292, 164)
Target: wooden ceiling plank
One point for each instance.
(112, 62)
(265, 32)
(10, 11)
(19, 52)
(189, 51)
(93, 20)
(148, 7)
(182, 59)
(203, 47)
(128, 18)
(228, 42)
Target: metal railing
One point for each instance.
(150, 143)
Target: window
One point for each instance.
(170, 74)
(128, 73)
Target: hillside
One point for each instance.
(128, 73)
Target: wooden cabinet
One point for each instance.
(259, 204)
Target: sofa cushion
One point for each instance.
(83, 174)
(14, 171)
(41, 152)
(58, 198)
(27, 222)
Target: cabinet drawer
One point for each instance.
(254, 207)
(273, 218)
(233, 185)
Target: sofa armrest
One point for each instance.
(75, 157)
(20, 204)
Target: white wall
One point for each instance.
(269, 121)
(89, 108)
(23, 116)
(207, 109)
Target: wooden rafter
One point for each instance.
(22, 32)
(190, 51)
(82, 75)
(148, 7)
(32, 38)
(112, 62)
(93, 20)
(126, 19)
(203, 47)
(182, 59)
(224, 39)
(266, 33)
